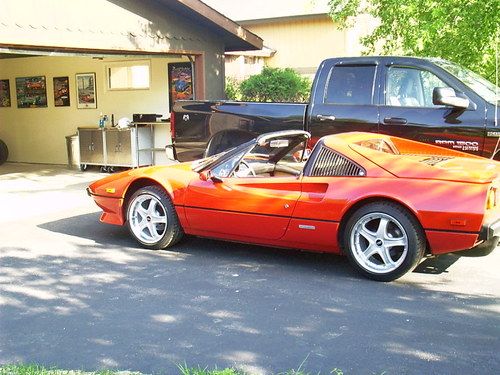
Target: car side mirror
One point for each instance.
(447, 96)
(208, 176)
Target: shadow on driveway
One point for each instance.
(109, 304)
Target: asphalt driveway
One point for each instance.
(78, 294)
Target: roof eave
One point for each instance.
(236, 37)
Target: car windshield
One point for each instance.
(484, 88)
(199, 165)
(283, 154)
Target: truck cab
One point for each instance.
(428, 100)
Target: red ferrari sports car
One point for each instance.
(383, 201)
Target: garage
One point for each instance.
(81, 64)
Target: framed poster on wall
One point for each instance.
(31, 92)
(4, 93)
(180, 82)
(85, 90)
(61, 91)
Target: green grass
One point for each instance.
(183, 370)
(41, 370)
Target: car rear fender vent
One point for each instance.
(433, 160)
(330, 163)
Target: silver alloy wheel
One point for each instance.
(379, 243)
(147, 218)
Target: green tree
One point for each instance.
(463, 31)
(276, 85)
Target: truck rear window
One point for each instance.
(350, 85)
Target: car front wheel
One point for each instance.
(383, 241)
(151, 218)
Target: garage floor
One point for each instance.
(78, 294)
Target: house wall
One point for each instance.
(86, 29)
(91, 25)
(38, 134)
(302, 43)
(241, 67)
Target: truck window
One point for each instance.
(409, 87)
(350, 85)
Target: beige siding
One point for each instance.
(302, 43)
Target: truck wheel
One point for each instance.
(383, 241)
(4, 152)
(225, 140)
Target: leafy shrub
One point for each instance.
(276, 85)
(232, 89)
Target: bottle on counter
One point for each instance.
(101, 121)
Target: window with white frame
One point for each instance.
(128, 75)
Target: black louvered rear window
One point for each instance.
(330, 163)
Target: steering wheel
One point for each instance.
(249, 168)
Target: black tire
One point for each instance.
(166, 232)
(383, 230)
(4, 152)
(482, 250)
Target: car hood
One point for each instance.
(174, 176)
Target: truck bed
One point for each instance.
(196, 122)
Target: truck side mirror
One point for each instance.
(447, 96)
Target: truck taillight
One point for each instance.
(172, 124)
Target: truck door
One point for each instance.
(344, 100)
(407, 111)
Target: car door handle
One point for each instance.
(325, 118)
(395, 121)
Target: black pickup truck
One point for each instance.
(428, 100)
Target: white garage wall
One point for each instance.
(37, 135)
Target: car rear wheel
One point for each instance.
(152, 220)
(383, 241)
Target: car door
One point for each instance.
(407, 111)
(344, 99)
(244, 208)
(251, 193)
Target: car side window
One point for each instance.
(409, 87)
(225, 169)
(350, 85)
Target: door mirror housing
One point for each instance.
(447, 96)
(208, 176)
